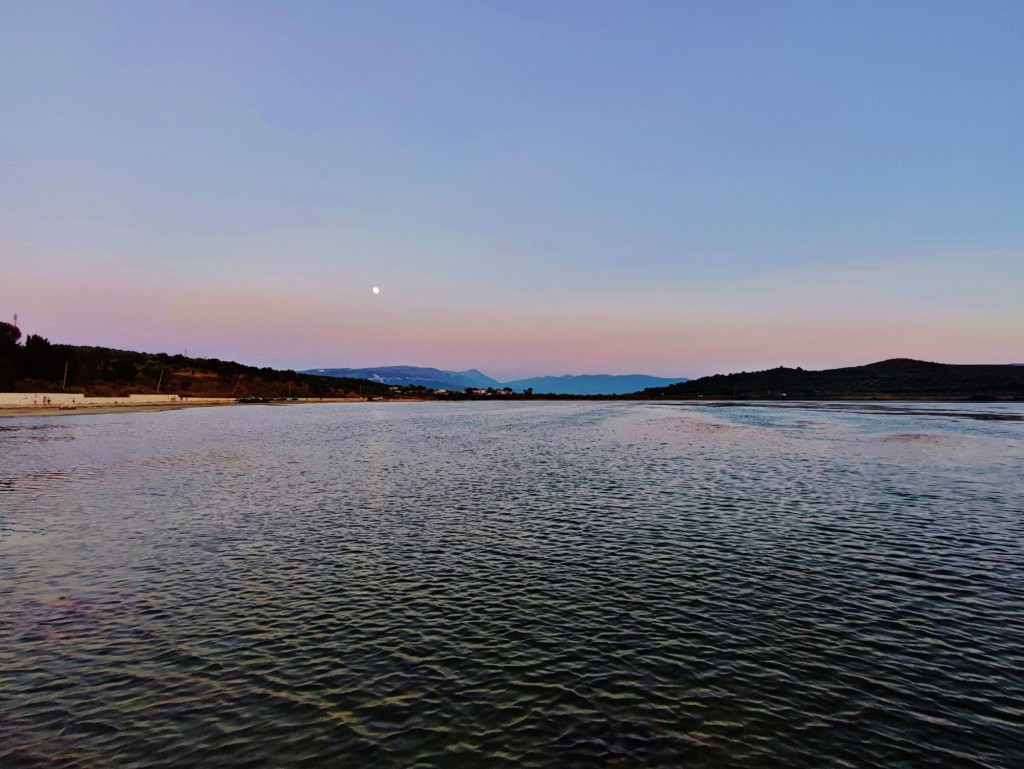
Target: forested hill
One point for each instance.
(37, 365)
(899, 377)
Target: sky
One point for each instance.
(671, 188)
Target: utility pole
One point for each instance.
(160, 380)
(236, 384)
(65, 382)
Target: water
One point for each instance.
(519, 584)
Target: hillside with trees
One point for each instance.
(37, 365)
(895, 378)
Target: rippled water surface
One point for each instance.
(520, 584)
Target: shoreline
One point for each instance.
(33, 410)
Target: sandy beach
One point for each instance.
(33, 410)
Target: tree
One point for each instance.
(9, 336)
(151, 369)
(9, 333)
(122, 369)
(41, 359)
(7, 372)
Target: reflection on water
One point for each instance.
(554, 584)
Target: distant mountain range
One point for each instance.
(894, 378)
(434, 378)
(437, 379)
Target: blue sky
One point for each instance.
(673, 188)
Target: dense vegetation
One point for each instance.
(37, 365)
(899, 377)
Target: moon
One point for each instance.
(376, 290)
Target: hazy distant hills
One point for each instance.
(433, 378)
(592, 384)
(895, 378)
(437, 379)
(898, 377)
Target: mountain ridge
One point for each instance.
(894, 377)
(440, 379)
(405, 376)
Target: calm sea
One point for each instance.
(514, 585)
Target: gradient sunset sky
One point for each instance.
(672, 188)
